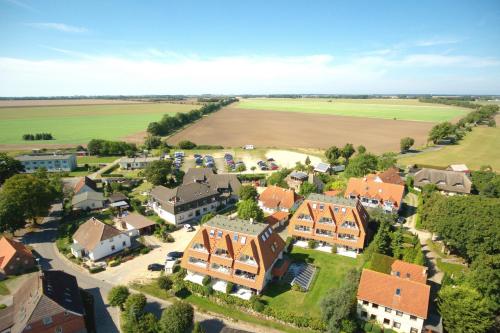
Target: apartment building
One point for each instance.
(51, 162)
(233, 250)
(399, 300)
(228, 185)
(276, 199)
(184, 203)
(375, 193)
(331, 221)
(137, 162)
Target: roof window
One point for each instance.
(398, 292)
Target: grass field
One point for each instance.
(79, 124)
(332, 269)
(479, 147)
(400, 109)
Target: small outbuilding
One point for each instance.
(88, 200)
(135, 224)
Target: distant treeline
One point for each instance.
(169, 123)
(38, 136)
(125, 97)
(110, 148)
(464, 102)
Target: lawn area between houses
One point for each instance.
(450, 268)
(81, 160)
(205, 305)
(332, 269)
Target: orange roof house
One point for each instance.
(233, 250)
(331, 220)
(390, 175)
(275, 199)
(394, 301)
(85, 184)
(15, 257)
(373, 193)
(409, 271)
(277, 219)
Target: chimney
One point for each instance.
(251, 220)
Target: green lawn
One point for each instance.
(332, 269)
(95, 159)
(79, 124)
(369, 108)
(4, 290)
(450, 268)
(478, 148)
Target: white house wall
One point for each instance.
(406, 322)
(103, 249)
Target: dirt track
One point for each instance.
(236, 127)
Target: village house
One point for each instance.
(448, 182)
(233, 250)
(51, 162)
(85, 184)
(228, 185)
(296, 178)
(15, 258)
(331, 221)
(459, 168)
(278, 219)
(89, 200)
(374, 193)
(138, 162)
(95, 240)
(184, 203)
(47, 302)
(390, 175)
(135, 224)
(276, 199)
(399, 300)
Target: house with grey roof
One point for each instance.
(88, 200)
(228, 185)
(185, 202)
(448, 182)
(137, 162)
(51, 162)
(296, 178)
(95, 240)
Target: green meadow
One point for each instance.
(79, 124)
(400, 109)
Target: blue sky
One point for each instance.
(233, 47)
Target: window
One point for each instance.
(413, 318)
(364, 314)
(388, 310)
(408, 275)
(336, 209)
(243, 240)
(399, 313)
(398, 274)
(124, 243)
(66, 313)
(321, 206)
(263, 237)
(59, 329)
(398, 292)
(47, 320)
(212, 232)
(112, 247)
(235, 237)
(375, 306)
(387, 321)
(366, 302)
(343, 210)
(373, 317)
(413, 330)
(219, 234)
(396, 324)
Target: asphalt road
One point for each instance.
(107, 317)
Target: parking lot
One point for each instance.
(137, 268)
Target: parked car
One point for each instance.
(174, 255)
(401, 220)
(188, 227)
(155, 267)
(197, 156)
(273, 166)
(270, 159)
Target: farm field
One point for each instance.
(399, 109)
(479, 147)
(232, 127)
(79, 124)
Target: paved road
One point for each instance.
(107, 317)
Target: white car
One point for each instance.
(188, 227)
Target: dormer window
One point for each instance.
(398, 291)
(235, 237)
(398, 274)
(408, 275)
(212, 233)
(219, 234)
(243, 239)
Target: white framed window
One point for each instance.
(47, 320)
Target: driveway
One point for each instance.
(107, 317)
(136, 269)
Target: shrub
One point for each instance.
(165, 283)
(170, 238)
(334, 248)
(312, 243)
(93, 270)
(114, 263)
(229, 287)
(297, 287)
(289, 244)
(368, 327)
(2, 306)
(206, 280)
(376, 329)
(186, 144)
(145, 250)
(258, 305)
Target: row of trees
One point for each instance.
(177, 318)
(486, 183)
(462, 102)
(470, 227)
(169, 123)
(37, 136)
(110, 148)
(446, 130)
(27, 198)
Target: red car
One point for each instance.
(273, 166)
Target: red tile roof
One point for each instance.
(409, 271)
(85, 181)
(276, 218)
(390, 175)
(277, 197)
(332, 193)
(381, 289)
(9, 248)
(366, 187)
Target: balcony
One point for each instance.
(200, 248)
(304, 217)
(247, 260)
(220, 268)
(197, 262)
(244, 275)
(325, 221)
(305, 230)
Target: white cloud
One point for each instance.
(436, 41)
(58, 26)
(172, 73)
(21, 4)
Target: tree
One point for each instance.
(332, 154)
(361, 165)
(118, 295)
(382, 239)
(278, 178)
(9, 167)
(249, 209)
(347, 151)
(306, 188)
(158, 172)
(441, 131)
(177, 318)
(134, 305)
(361, 149)
(386, 160)
(308, 161)
(207, 217)
(486, 183)
(186, 144)
(406, 143)
(134, 319)
(485, 277)
(339, 303)
(464, 310)
(248, 192)
(165, 282)
(397, 243)
(152, 142)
